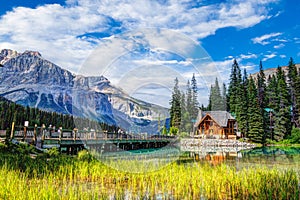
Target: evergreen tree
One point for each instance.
(175, 110)
(272, 102)
(187, 123)
(189, 105)
(261, 87)
(195, 103)
(224, 97)
(272, 94)
(297, 100)
(243, 113)
(235, 89)
(293, 83)
(282, 126)
(236, 96)
(255, 120)
(216, 99)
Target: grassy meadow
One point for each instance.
(54, 176)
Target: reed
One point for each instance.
(64, 177)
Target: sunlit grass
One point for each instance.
(82, 177)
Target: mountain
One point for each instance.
(272, 71)
(30, 80)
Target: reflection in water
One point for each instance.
(268, 156)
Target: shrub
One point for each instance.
(84, 155)
(295, 136)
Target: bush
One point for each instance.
(84, 155)
(53, 152)
(295, 136)
(173, 130)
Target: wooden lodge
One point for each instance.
(215, 125)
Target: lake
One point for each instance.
(279, 157)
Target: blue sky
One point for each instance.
(69, 32)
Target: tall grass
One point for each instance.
(82, 177)
(54, 176)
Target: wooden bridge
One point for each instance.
(72, 141)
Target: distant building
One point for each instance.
(215, 124)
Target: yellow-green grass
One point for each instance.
(62, 177)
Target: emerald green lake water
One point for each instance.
(279, 157)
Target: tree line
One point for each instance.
(184, 107)
(12, 112)
(266, 108)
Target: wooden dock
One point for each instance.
(70, 141)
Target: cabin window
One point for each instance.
(211, 123)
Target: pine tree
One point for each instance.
(282, 126)
(255, 120)
(235, 89)
(224, 97)
(261, 87)
(271, 102)
(297, 99)
(187, 123)
(195, 103)
(216, 99)
(175, 110)
(243, 113)
(189, 105)
(293, 83)
(236, 96)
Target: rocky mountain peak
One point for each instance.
(32, 53)
(30, 80)
(6, 54)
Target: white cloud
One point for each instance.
(248, 56)
(263, 39)
(62, 35)
(282, 56)
(269, 56)
(279, 46)
(58, 31)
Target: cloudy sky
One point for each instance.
(176, 37)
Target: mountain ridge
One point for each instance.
(30, 80)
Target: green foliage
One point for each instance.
(53, 152)
(184, 106)
(12, 112)
(195, 103)
(85, 155)
(295, 136)
(294, 86)
(174, 130)
(255, 121)
(265, 110)
(73, 178)
(175, 110)
(217, 100)
(282, 125)
(184, 134)
(164, 131)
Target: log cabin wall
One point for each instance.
(209, 127)
(222, 128)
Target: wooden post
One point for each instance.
(43, 135)
(60, 134)
(26, 124)
(12, 131)
(35, 135)
(75, 133)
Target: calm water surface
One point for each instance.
(281, 157)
